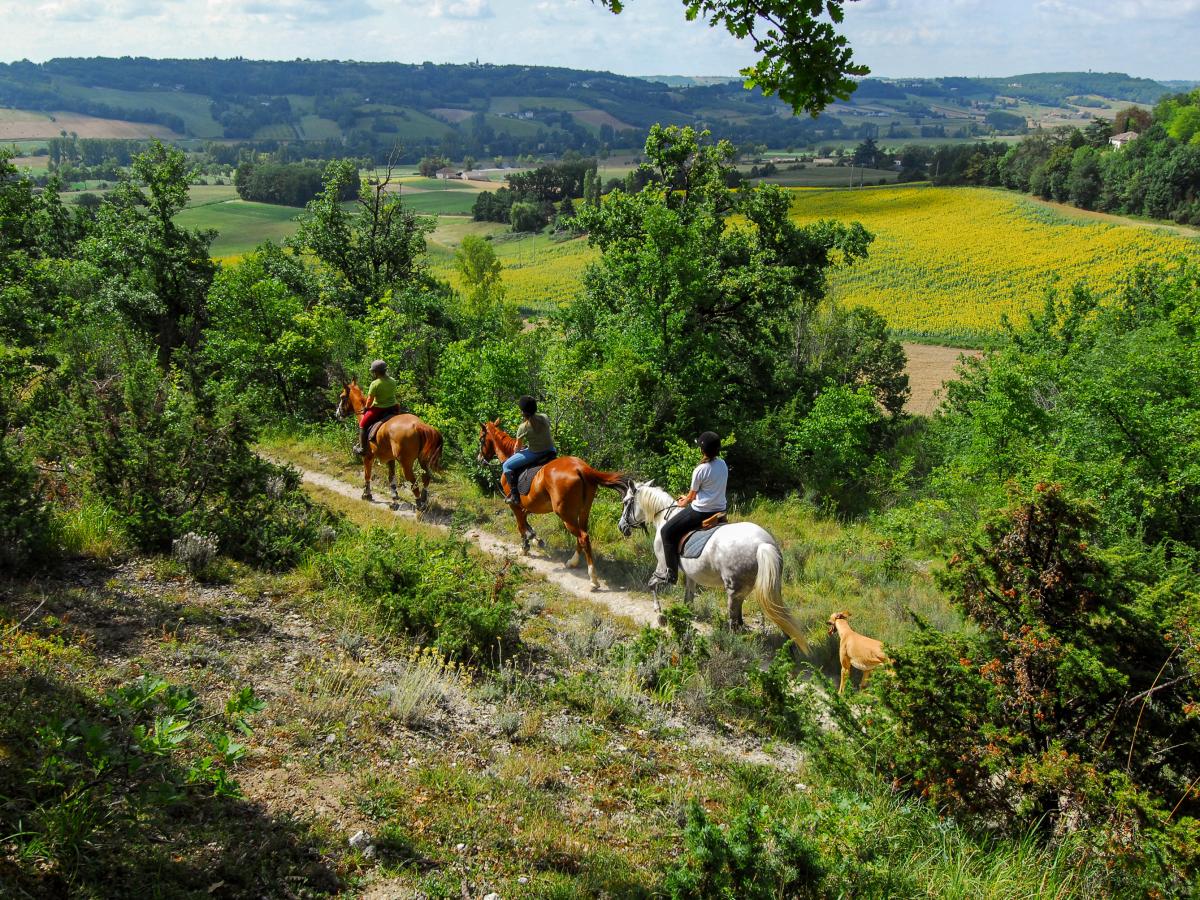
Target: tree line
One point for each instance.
(1156, 175)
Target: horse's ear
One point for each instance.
(353, 380)
(496, 421)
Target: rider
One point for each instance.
(706, 497)
(381, 403)
(535, 445)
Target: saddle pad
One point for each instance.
(525, 479)
(694, 543)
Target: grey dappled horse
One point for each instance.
(740, 557)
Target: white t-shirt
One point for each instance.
(708, 481)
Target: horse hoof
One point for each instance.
(662, 621)
(541, 543)
(367, 495)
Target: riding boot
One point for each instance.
(361, 449)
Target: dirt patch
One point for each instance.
(929, 368)
(22, 125)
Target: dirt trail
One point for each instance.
(638, 608)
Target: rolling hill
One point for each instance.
(368, 108)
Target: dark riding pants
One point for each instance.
(680, 523)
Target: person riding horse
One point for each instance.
(381, 403)
(538, 446)
(705, 498)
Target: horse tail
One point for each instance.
(768, 591)
(431, 448)
(615, 480)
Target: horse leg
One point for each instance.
(411, 478)
(689, 589)
(735, 606)
(368, 461)
(392, 480)
(575, 524)
(523, 528)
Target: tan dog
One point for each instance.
(863, 653)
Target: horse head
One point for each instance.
(632, 515)
(487, 441)
(350, 400)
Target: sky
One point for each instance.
(896, 38)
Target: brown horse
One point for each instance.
(404, 437)
(567, 485)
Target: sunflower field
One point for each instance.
(948, 263)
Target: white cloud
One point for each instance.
(461, 9)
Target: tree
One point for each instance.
(378, 245)
(156, 273)
(699, 319)
(801, 56)
(1131, 118)
(483, 308)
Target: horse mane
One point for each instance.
(431, 447)
(652, 501)
(501, 438)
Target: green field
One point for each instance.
(240, 226)
(195, 110)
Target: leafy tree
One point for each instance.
(484, 309)
(1043, 717)
(377, 246)
(153, 272)
(266, 343)
(802, 57)
(526, 215)
(700, 319)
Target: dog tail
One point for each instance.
(768, 591)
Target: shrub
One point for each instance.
(1042, 718)
(432, 589)
(753, 860)
(168, 462)
(25, 525)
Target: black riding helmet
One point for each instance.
(710, 444)
(528, 406)
(379, 367)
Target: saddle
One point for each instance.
(525, 476)
(693, 543)
(377, 424)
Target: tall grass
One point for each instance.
(91, 529)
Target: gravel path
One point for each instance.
(637, 607)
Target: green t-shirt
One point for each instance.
(536, 433)
(384, 391)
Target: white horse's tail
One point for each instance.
(768, 591)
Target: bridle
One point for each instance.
(644, 524)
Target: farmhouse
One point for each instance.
(446, 173)
(1120, 140)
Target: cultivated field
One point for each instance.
(21, 124)
(949, 263)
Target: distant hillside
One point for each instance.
(366, 109)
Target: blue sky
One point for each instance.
(1154, 38)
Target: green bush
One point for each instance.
(167, 462)
(26, 537)
(432, 589)
(753, 860)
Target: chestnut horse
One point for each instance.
(404, 437)
(567, 485)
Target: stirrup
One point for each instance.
(657, 581)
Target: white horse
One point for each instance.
(741, 557)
